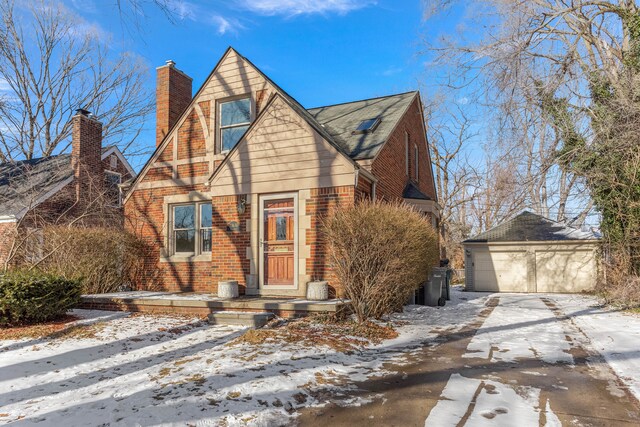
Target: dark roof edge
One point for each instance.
(363, 100)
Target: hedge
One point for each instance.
(33, 297)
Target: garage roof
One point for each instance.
(529, 227)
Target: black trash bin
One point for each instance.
(434, 295)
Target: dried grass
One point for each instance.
(41, 330)
(619, 286)
(343, 336)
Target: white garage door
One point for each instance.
(500, 271)
(565, 271)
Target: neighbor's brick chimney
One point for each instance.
(86, 154)
(173, 95)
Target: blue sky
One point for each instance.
(321, 52)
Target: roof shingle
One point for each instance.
(341, 121)
(530, 227)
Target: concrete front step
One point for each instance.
(253, 320)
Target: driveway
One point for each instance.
(524, 361)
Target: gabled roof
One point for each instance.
(298, 108)
(530, 227)
(341, 121)
(411, 191)
(26, 183)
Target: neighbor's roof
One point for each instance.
(341, 120)
(25, 183)
(529, 227)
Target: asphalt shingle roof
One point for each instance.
(341, 120)
(411, 191)
(25, 181)
(530, 227)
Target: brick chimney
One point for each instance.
(173, 95)
(86, 154)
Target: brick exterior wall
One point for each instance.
(7, 235)
(364, 189)
(173, 95)
(230, 247)
(389, 167)
(191, 137)
(321, 203)
(145, 217)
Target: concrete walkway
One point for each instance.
(523, 362)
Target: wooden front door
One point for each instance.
(278, 241)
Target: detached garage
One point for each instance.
(531, 253)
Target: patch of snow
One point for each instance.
(485, 403)
(514, 330)
(170, 370)
(615, 335)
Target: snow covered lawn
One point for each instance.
(161, 370)
(615, 335)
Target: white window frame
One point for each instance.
(417, 162)
(108, 172)
(221, 128)
(197, 229)
(406, 153)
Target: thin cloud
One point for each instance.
(303, 7)
(188, 11)
(183, 9)
(4, 85)
(392, 71)
(226, 25)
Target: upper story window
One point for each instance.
(191, 228)
(406, 153)
(416, 160)
(112, 192)
(235, 117)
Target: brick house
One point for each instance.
(82, 187)
(242, 175)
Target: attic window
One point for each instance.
(368, 126)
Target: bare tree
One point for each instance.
(51, 63)
(450, 136)
(526, 48)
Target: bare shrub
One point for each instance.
(380, 253)
(104, 259)
(618, 286)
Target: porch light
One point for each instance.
(242, 205)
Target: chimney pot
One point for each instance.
(171, 62)
(83, 112)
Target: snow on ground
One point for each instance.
(513, 331)
(615, 335)
(496, 404)
(163, 370)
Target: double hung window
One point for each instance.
(235, 117)
(191, 228)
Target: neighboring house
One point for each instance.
(531, 253)
(82, 187)
(242, 175)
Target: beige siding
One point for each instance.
(232, 78)
(282, 153)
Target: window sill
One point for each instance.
(186, 258)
